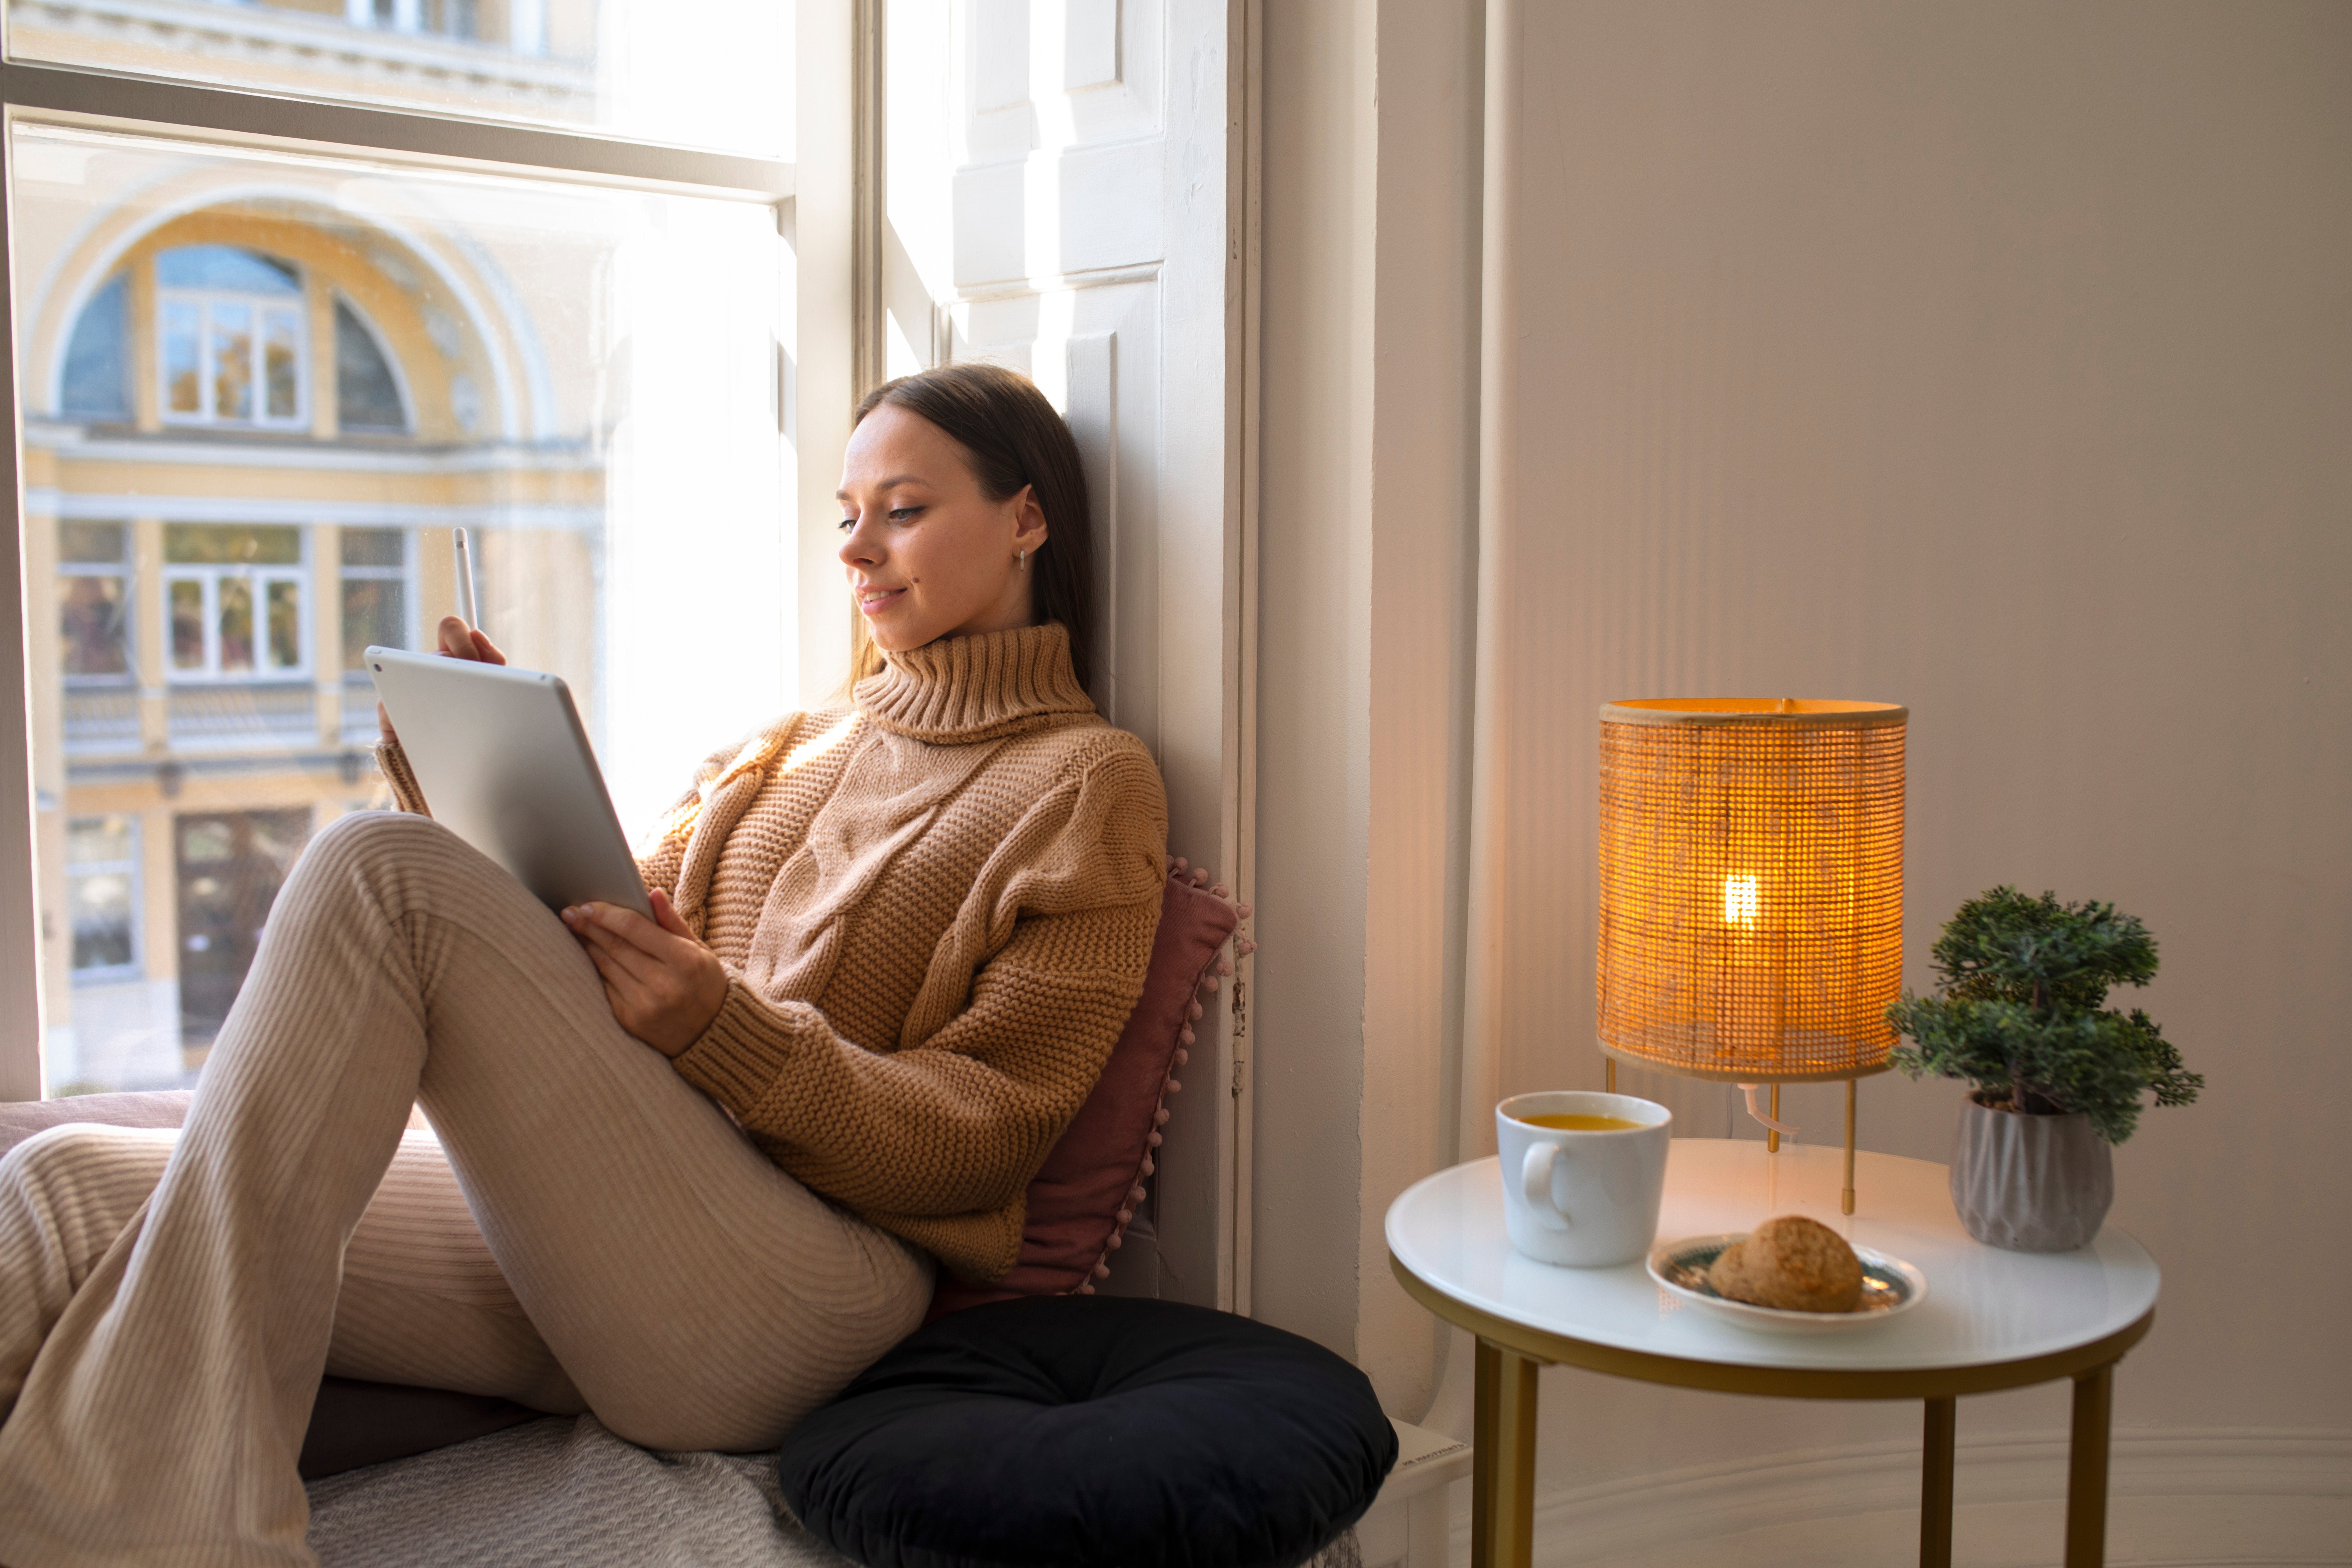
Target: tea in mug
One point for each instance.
(1563, 1121)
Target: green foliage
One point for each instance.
(2017, 1012)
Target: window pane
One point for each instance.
(225, 269)
(285, 625)
(99, 543)
(589, 380)
(367, 395)
(92, 627)
(187, 624)
(97, 381)
(374, 547)
(375, 614)
(232, 343)
(97, 840)
(183, 373)
(101, 861)
(236, 596)
(234, 543)
(99, 907)
(701, 73)
(280, 348)
(227, 871)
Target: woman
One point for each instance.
(690, 1173)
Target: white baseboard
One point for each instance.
(2178, 1498)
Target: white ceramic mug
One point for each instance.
(1587, 1199)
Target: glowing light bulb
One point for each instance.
(1740, 904)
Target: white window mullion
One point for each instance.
(212, 626)
(205, 383)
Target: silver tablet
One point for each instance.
(506, 766)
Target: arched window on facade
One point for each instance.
(96, 380)
(367, 394)
(229, 338)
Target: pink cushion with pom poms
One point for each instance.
(1085, 1196)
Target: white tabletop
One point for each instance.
(1984, 1305)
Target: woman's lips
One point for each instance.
(873, 601)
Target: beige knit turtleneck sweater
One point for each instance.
(935, 905)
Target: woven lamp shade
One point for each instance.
(1751, 886)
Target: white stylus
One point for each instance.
(465, 580)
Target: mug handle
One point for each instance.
(1535, 1185)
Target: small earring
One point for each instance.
(1020, 558)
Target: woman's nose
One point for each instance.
(858, 548)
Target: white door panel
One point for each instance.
(1084, 210)
(1053, 208)
(1098, 60)
(1091, 351)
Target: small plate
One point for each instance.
(1889, 1287)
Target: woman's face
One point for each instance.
(928, 555)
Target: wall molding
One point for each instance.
(2181, 1498)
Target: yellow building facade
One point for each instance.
(260, 386)
(252, 421)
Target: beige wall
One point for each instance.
(1369, 364)
(1993, 359)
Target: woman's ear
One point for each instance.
(1028, 521)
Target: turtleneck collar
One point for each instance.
(979, 688)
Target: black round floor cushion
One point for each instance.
(1091, 1432)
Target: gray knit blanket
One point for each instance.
(569, 1494)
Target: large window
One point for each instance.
(261, 386)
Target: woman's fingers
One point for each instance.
(621, 925)
(460, 641)
(625, 955)
(670, 921)
(665, 987)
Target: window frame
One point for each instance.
(836, 305)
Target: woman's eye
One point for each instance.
(847, 523)
(904, 513)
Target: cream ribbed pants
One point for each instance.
(588, 1232)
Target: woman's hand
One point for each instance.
(665, 986)
(459, 640)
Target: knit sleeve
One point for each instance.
(958, 1123)
(407, 795)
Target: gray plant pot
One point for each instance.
(2031, 1183)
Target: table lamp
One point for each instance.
(1751, 892)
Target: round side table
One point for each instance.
(1992, 1320)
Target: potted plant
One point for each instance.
(2058, 1076)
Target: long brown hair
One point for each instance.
(1011, 437)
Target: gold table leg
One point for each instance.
(1936, 1483)
(2086, 1469)
(1503, 1463)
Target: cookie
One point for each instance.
(1793, 1262)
